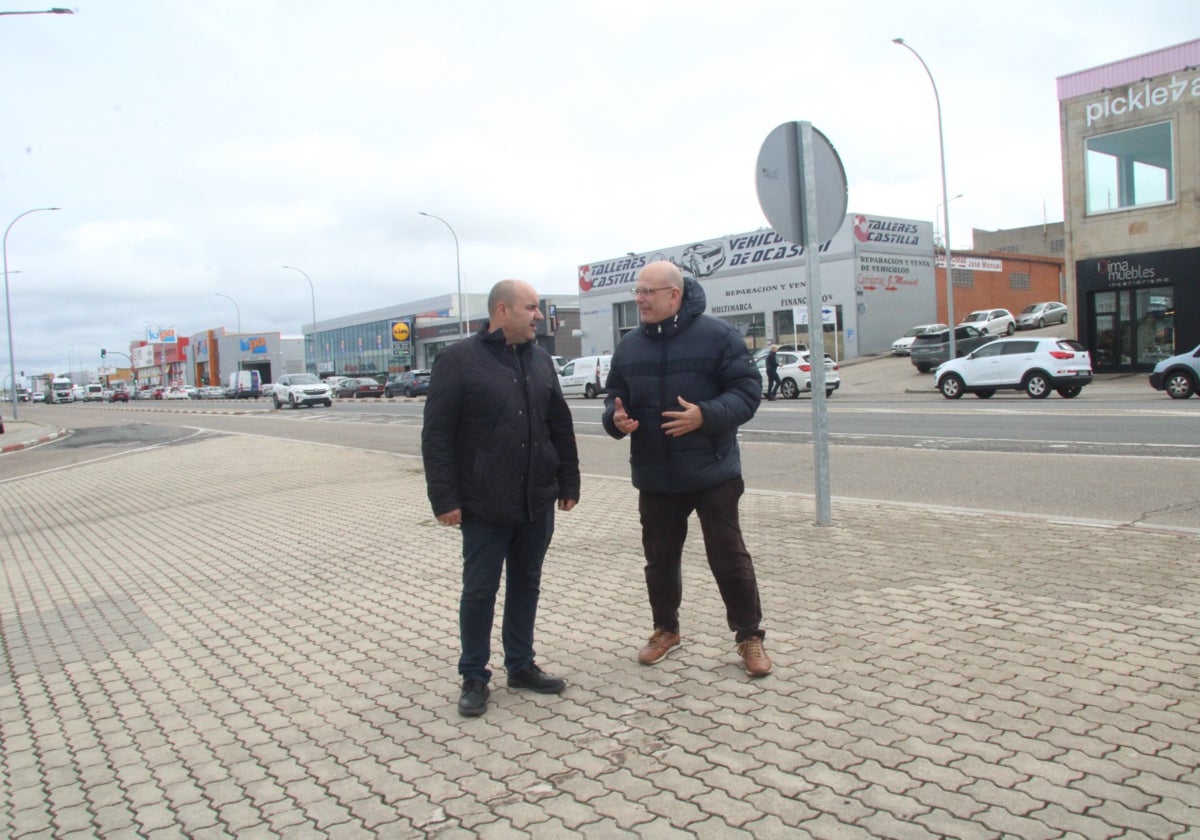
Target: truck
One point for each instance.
(243, 384)
(60, 390)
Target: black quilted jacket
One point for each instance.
(498, 441)
(702, 359)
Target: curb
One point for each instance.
(29, 444)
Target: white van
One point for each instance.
(243, 384)
(585, 375)
(94, 393)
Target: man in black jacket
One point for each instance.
(680, 386)
(499, 450)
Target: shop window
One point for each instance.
(1057, 246)
(626, 315)
(1131, 168)
(1019, 281)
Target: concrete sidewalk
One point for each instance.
(240, 637)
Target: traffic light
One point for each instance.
(103, 353)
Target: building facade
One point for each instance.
(214, 354)
(876, 274)
(998, 279)
(1131, 189)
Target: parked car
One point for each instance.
(1036, 366)
(559, 362)
(118, 395)
(334, 381)
(297, 389)
(762, 353)
(901, 345)
(212, 392)
(992, 321)
(586, 375)
(410, 383)
(1178, 375)
(930, 349)
(363, 386)
(39, 396)
(176, 394)
(795, 374)
(1038, 315)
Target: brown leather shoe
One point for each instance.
(758, 664)
(658, 647)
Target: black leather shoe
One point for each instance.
(533, 677)
(474, 699)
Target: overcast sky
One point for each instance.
(197, 147)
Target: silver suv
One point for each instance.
(297, 389)
(1036, 366)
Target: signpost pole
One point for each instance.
(816, 326)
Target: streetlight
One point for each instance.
(313, 292)
(457, 268)
(945, 196)
(12, 362)
(54, 11)
(936, 212)
(237, 309)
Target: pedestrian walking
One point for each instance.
(499, 450)
(680, 385)
(772, 371)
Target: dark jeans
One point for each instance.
(772, 383)
(487, 549)
(664, 528)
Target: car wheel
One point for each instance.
(1037, 386)
(1178, 385)
(275, 399)
(923, 367)
(788, 389)
(985, 395)
(292, 401)
(1041, 323)
(1012, 328)
(408, 392)
(329, 403)
(951, 386)
(1064, 318)
(589, 391)
(1069, 391)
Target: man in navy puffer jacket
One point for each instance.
(680, 386)
(499, 450)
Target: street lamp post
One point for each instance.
(945, 197)
(54, 11)
(312, 290)
(457, 269)
(237, 309)
(12, 361)
(937, 211)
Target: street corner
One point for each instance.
(19, 434)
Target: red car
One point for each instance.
(118, 395)
(363, 387)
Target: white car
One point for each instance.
(795, 374)
(902, 345)
(297, 389)
(176, 394)
(1036, 366)
(992, 321)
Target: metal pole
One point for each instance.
(951, 320)
(12, 361)
(458, 273)
(312, 290)
(816, 328)
(238, 309)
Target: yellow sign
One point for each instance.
(399, 331)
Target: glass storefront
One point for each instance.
(1133, 327)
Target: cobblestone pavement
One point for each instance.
(239, 637)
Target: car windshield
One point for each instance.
(975, 316)
(304, 379)
(930, 338)
(914, 331)
(1033, 307)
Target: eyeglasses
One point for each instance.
(637, 293)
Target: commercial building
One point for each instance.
(214, 354)
(877, 280)
(1131, 175)
(409, 335)
(990, 279)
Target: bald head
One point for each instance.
(661, 273)
(513, 308)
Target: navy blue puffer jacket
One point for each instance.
(697, 357)
(498, 441)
